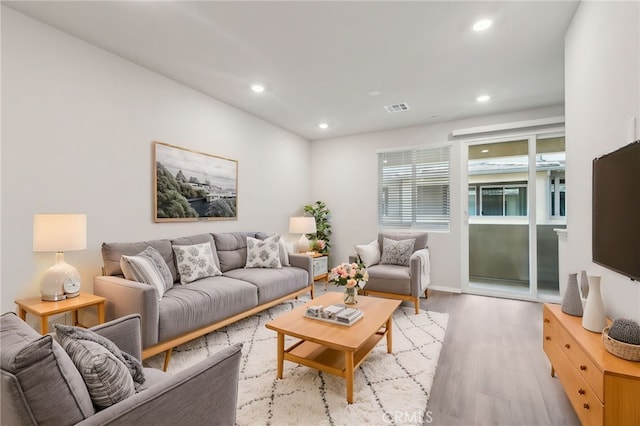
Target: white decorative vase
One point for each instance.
(594, 318)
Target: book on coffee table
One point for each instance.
(334, 314)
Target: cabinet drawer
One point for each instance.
(320, 266)
(581, 362)
(585, 402)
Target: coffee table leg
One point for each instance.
(348, 357)
(389, 336)
(280, 354)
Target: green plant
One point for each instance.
(321, 214)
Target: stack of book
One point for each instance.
(336, 314)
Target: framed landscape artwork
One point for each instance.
(191, 186)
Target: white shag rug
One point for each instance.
(388, 388)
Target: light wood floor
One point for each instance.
(492, 369)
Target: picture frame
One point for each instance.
(193, 186)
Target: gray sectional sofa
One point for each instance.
(188, 311)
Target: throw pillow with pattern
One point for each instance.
(195, 262)
(397, 252)
(148, 267)
(263, 253)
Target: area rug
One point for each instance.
(388, 388)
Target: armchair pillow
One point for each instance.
(195, 262)
(109, 374)
(263, 253)
(369, 253)
(396, 252)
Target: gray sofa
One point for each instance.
(189, 311)
(42, 386)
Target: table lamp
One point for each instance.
(59, 233)
(302, 225)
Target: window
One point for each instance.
(498, 200)
(413, 189)
(557, 189)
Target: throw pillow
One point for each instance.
(263, 253)
(148, 267)
(397, 252)
(369, 253)
(195, 262)
(107, 373)
(284, 253)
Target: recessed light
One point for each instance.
(258, 88)
(484, 151)
(482, 25)
(374, 93)
(323, 126)
(483, 98)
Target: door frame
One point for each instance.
(532, 136)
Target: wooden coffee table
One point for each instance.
(333, 348)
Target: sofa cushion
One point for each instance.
(195, 262)
(397, 252)
(106, 377)
(272, 283)
(387, 277)
(203, 302)
(112, 252)
(148, 267)
(232, 249)
(369, 253)
(37, 372)
(263, 253)
(198, 239)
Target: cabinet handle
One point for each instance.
(586, 406)
(581, 391)
(547, 338)
(583, 368)
(547, 320)
(568, 346)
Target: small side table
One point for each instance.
(44, 309)
(320, 268)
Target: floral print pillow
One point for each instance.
(397, 252)
(195, 262)
(263, 253)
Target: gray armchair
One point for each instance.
(397, 281)
(41, 385)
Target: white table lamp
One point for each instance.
(59, 233)
(302, 225)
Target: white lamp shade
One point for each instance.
(302, 225)
(59, 232)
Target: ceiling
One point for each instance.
(322, 61)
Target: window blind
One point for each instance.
(413, 189)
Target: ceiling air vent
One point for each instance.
(397, 107)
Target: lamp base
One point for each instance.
(302, 246)
(52, 284)
(53, 298)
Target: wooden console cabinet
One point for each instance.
(603, 389)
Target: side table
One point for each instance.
(320, 268)
(44, 309)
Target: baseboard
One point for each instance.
(446, 289)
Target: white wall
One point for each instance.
(344, 175)
(602, 78)
(77, 131)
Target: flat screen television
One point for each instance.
(616, 211)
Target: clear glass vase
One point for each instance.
(350, 296)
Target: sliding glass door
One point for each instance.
(515, 199)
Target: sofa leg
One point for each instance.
(417, 304)
(167, 358)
